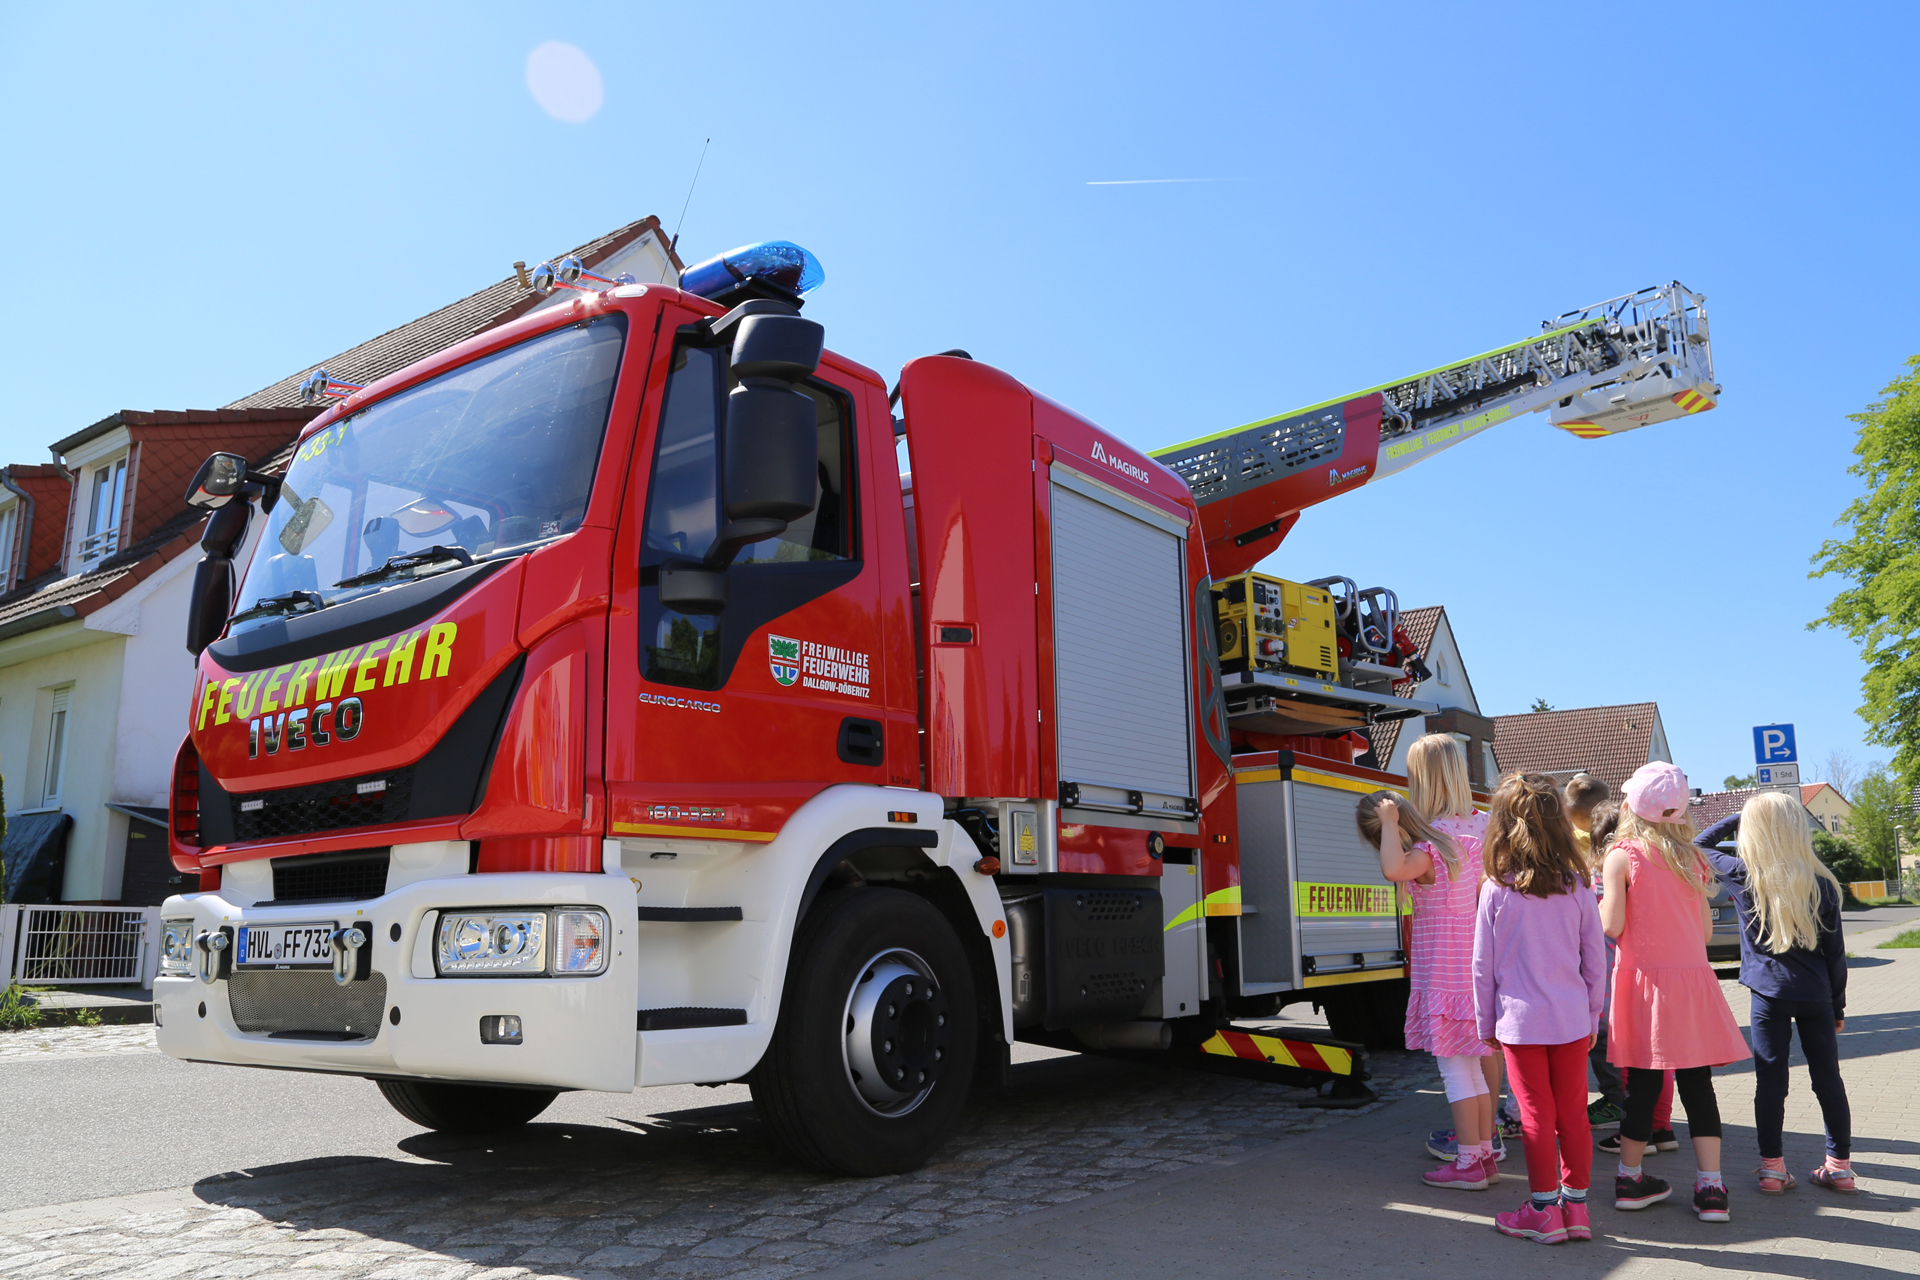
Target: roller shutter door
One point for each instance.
(1120, 646)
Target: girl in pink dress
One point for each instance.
(1442, 871)
(1667, 1012)
(1438, 786)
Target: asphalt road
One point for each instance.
(84, 1124)
(1853, 922)
(79, 1127)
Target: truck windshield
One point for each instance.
(490, 459)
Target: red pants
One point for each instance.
(1549, 1083)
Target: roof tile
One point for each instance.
(1607, 742)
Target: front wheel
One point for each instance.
(870, 1062)
(465, 1108)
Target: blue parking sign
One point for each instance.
(1773, 744)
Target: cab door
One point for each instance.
(722, 724)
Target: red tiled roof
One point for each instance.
(1709, 808)
(490, 308)
(45, 524)
(1421, 625)
(1607, 742)
(1809, 790)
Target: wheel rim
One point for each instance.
(898, 1032)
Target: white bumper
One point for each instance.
(578, 1032)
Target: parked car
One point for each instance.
(1724, 946)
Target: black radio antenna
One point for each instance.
(675, 242)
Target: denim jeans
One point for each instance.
(1773, 1022)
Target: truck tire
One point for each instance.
(465, 1108)
(874, 1051)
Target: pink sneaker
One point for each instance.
(1528, 1222)
(1472, 1178)
(1490, 1166)
(1579, 1225)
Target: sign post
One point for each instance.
(1775, 757)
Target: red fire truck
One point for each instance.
(599, 706)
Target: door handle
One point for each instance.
(862, 741)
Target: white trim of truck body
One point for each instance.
(580, 1032)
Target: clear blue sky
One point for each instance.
(203, 199)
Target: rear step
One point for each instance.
(1335, 1069)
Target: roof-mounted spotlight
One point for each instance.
(322, 386)
(567, 273)
(777, 269)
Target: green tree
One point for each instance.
(1734, 782)
(1877, 800)
(1540, 704)
(1881, 558)
(1841, 858)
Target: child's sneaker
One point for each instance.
(1472, 1178)
(1638, 1193)
(1663, 1140)
(1547, 1225)
(1579, 1225)
(1442, 1145)
(1490, 1166)
(1610, 1144)
(1604, 1115)
(1505, 1125)
(1711, 1203)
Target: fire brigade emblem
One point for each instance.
(783, 656)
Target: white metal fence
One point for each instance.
(63, 946)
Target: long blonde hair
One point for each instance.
(1414, 829)
(1437, 777)
(1673, 843)
(1783, 875)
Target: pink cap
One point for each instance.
(1657, 792)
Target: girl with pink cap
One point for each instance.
(1667, 1011)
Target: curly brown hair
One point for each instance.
(1530, 844)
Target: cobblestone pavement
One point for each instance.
(43, 1044)
(700, 1193)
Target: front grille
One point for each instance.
(306, 1003)
(352, 876)
(324, 806)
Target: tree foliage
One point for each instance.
(1841, 858)
(1539, 705)
(1736, 782)
(1877, 810)
(1881, 558)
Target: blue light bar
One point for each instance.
(778, 262)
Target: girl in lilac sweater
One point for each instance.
(1539, 985)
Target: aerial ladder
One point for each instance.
(1322, 659)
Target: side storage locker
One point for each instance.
(1349, 921)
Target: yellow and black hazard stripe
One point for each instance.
(1304, 1054)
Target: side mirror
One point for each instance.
(225, 528)
(772, 442)
(224, 477)
(211, 601)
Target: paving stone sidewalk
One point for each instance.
(701, 1193)
(44, 1043)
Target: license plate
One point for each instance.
(306, 945)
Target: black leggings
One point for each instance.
(1695, 1087)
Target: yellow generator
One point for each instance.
(1270, 624)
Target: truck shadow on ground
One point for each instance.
(708, 1192)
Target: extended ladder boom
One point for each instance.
(1640, 358)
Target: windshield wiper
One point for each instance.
(416, 563)
(291, 603)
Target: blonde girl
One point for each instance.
(1667, 1012)
(1442, 871)
(1793, 959)
(1438, 785)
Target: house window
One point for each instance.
(107, 495)
(56, 749)
(9, 525)
(1441, 671)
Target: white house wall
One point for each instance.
(97, 843)
(154, 699)
(1448, 686)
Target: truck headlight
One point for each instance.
(579, 942)
(176, 947)
(503, 942)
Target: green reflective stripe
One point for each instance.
(1385, 386)
(1227, 897)
(1192, 913)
